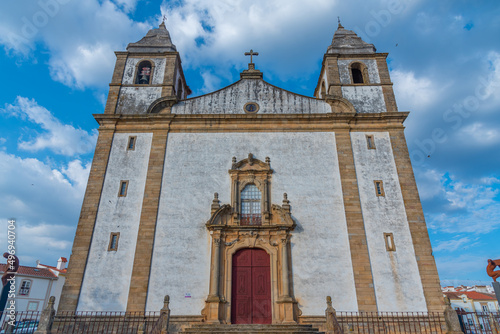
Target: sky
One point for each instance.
(56, 60)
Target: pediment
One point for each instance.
(269, 99)
(251, 163)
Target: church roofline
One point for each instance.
(242, 79)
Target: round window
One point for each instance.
(251, 108)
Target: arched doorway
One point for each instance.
(251, 287)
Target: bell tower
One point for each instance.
(353, 70)
(150, 69)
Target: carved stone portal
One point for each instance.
(229, 234)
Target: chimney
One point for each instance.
(61, 263)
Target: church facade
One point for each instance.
(251, 204)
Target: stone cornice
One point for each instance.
(253, 123)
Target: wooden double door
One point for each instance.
(251, 287)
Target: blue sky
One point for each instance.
(56, 60)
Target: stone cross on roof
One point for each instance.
(251, 54)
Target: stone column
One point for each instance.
(213, 302)
(214, 278)
(284, 268)
(286, 301)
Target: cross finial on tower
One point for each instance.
(251, 54)
(163, 22)
(340, 24)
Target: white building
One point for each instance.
(35, 285)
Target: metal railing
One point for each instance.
(392, 322)
(19, 322)
(479, 322)
(105, 322)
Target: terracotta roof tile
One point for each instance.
(470, 295)
(30, 271)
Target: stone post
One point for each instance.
(47, 318)
(165, 315)
(330, 315)
(451, 318)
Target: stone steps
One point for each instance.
(252, 329)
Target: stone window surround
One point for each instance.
(124, 192)
(364, 72)
(136, 73)
(390, 246)
(370, 142)
(134, 138)
(379, 184)
(111, 236)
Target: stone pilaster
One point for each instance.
(116, 82)
(147, 228)
(416, 220)
(86, 223)
(363, 278)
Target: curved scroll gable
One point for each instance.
(163, 104)
(220, 216)
(251, 163)
(339, 104)
(282, 217)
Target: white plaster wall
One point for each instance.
(136, 100)
(130, 68)
(39, 291)
(366, 99)
(106, 279)
(371, 65)
(395, 274)
(305, 166)
(271, 99)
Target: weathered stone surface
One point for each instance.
(395, 273)
(271, 100)
(366, 99)
(347, 42)
(106, 284)
(136, 100)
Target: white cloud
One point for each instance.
(45, 201)
(413, 93)
(80, 36)
(60, 138)
(219, 32)
(472, 208)
(210, 82)
(479, 133)
(429, 183)
(453, 245)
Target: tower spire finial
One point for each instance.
(340, 24)
(162, 25)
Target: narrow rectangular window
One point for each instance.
(379, 188)
(113, 241)
(131, 143)
(370, 142)
(389, 242)
(123, 189)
